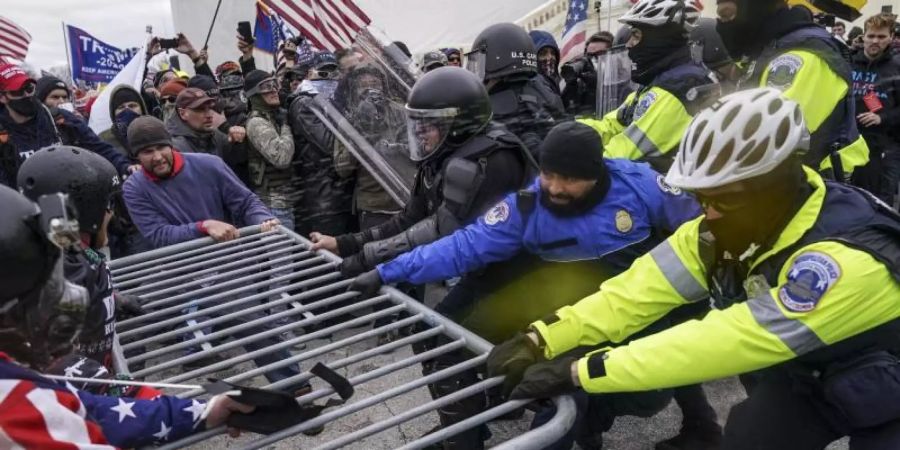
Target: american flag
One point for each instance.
(327, 24)
(574, 33)
(40, 413)
(14, 39)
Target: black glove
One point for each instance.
(354, 265)
(546, 379)
(367, 283)
(512, 358)
(128, 306)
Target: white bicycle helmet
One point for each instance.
(743, 135)
(657, 13)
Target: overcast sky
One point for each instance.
(120, 23)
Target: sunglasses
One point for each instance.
(725, 203)
(26, 90)
(167, 99)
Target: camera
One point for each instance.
(580, 67)
(166, 44)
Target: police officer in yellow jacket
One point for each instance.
(784, 49)
(803, 277)
(651, 121)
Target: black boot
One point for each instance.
(694, 436)
(457, 412)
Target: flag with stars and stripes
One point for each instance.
(40, 413)
(327, 24)
(574, 32)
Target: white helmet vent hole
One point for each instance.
(753, 126)
(722, 158)
(729, 118)
(757, 154)
(775, 106)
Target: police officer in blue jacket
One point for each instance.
(582, 208)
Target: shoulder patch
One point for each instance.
(644, 104)
(783, 70)
(665, 187)
(809, 278)
(497, 214)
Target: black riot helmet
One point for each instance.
(715, 55)
(40, 312)
(447, 104)
(501, 50)
(27, 259)
(89, 180)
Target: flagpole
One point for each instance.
(68, 51)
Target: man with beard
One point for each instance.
(582, 207)
(784, 49)
(325, 199)
(802, 277)
(673, 87)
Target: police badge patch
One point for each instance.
(810, 277)
(624, 223)
(665, 187)
(497, 214)
(644, 104)
(783, 70)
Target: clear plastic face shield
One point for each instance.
(476, 61)
(428, 129)
(366, 112)
(613, 78)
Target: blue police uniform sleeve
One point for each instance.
(89, 140)
(670, 207)
(496, 236)
(129, 423)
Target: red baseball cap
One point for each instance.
(12, 78)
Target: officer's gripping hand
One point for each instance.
(354, 265)
(512, 358)
(367, 283)
(547, 379)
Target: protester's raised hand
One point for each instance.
(186, 47)
(323, 242)
(245, 48)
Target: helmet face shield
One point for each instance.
(427, 130)
(476, 62)
(266, 86)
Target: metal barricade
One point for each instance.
(207, 300)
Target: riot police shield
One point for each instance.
(366, 112)
(613, 79)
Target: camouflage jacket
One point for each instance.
(269, 159)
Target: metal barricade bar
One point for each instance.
(265, 305)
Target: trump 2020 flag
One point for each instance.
(94, 61)
(133, 75)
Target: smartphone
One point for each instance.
(245, 32)
(166, 44)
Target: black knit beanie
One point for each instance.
(146, 131)
(573, 149)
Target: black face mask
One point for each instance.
(25, 106)
(577, 206)
(656, 51)
(762, 215)
(736, 38)
(549, 68)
